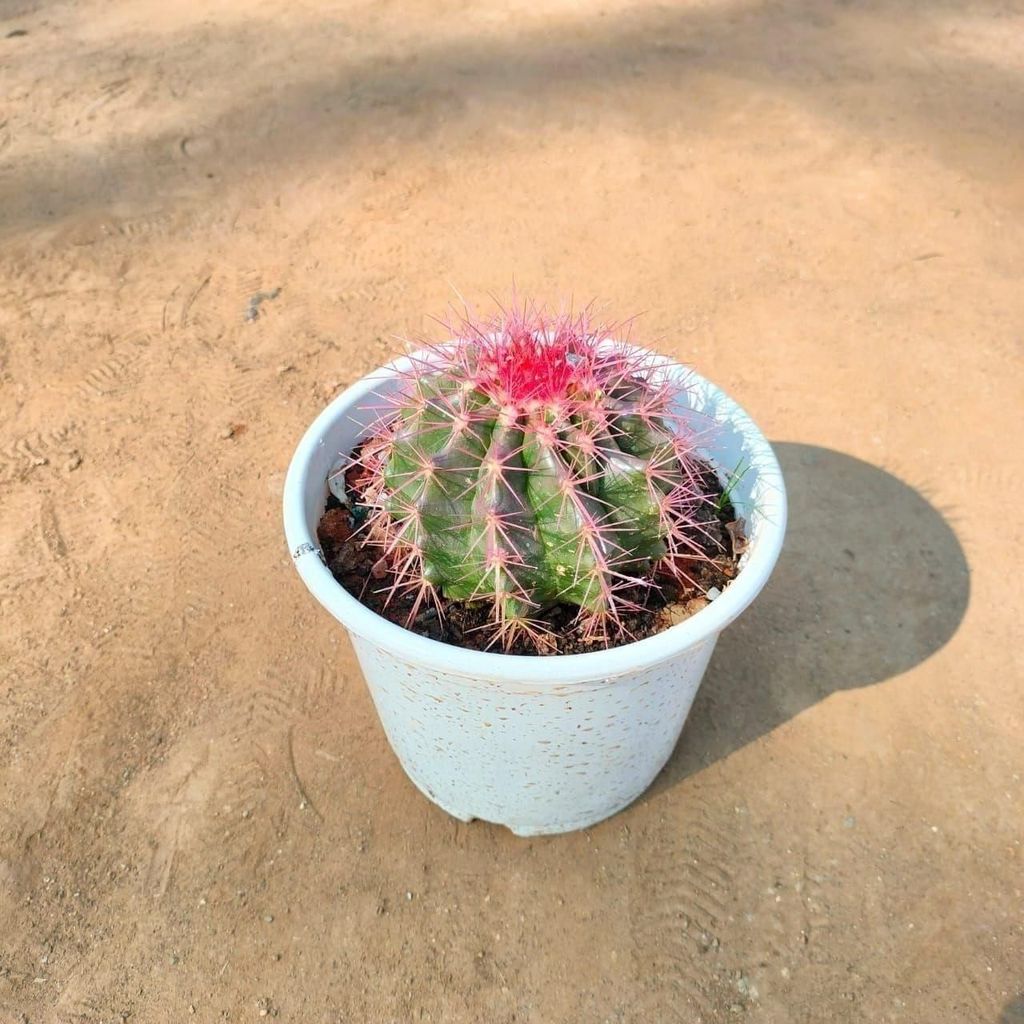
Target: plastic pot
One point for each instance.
(540, 744)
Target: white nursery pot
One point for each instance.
(540, 744)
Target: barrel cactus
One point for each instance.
(533, 461)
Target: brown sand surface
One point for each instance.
(820, 205)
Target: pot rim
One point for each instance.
(555, 670)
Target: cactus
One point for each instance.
(529, 462)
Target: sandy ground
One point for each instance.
(817, 204)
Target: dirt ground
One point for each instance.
(817, 204)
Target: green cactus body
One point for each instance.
(529, 470)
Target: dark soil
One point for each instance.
(361, 568)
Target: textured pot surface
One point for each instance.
(542, 745)
(539, 759)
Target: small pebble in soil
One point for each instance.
(336, 484)
(266, 1007)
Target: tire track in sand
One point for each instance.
(682, 893)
